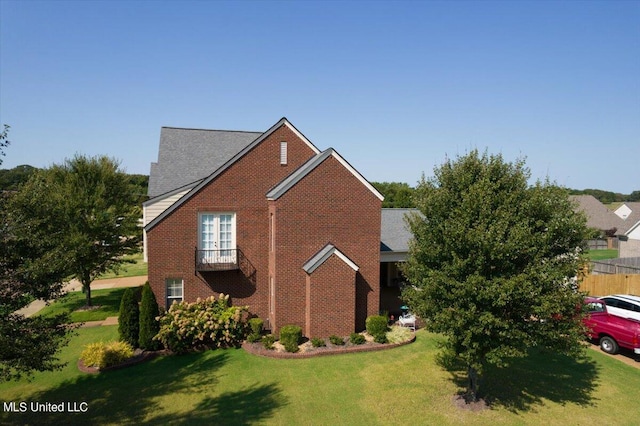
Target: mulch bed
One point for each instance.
(309, 351)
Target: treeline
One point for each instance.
(396, 194)
(11, 179)
(399, 194)
(607, 197)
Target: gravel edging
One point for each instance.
(260, 350)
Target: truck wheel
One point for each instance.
(608, 345)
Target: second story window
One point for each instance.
(217, 238)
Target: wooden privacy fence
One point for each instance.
(602, 285)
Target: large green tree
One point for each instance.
(27, 272)
(86, 213)
(493, 262)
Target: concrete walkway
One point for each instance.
(75, 285)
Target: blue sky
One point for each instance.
(394, 87)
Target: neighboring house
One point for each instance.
(630, 235)
(598, 215)
(289, 230)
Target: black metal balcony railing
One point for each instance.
(217, 260)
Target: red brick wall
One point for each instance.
(241, 189)
(330, 205)
(331, 299)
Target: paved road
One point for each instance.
(75, 285)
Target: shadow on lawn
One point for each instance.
(527, 382)
(133, 395)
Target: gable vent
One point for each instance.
(283, 153)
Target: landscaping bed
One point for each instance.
(307, 350)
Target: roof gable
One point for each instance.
(319, 258)
(282, 122)
(295, 177)
(598, 215)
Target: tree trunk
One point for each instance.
(472, 390)
(86, 287)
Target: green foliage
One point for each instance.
(493, 261)
(149, 325)
(29, 270)
(4, 141)
(129, 318)
(255, 327)
(377, 326)
(396, 194)
(316, 342)
(103, 355)
(290, 336)
(357, 338)
(336, 340)
(209, 323)
(83, 212)
(268, 341)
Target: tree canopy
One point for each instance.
(84, 211)
(396, 194)
(493, 262)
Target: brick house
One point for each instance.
(289, 230)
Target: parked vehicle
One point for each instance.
(610, 331)
(623, 305)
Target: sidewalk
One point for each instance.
(75, 285)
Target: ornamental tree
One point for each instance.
(493, 262)
(86, 214)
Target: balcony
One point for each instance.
(217, 260)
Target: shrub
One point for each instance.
(104, 355)
(336, 340)
(317, 342)
(377, 325)
(255, 325)
(380, 338)
(129, 318)
(149, 325)
(399, 334)
(268, 341)
(207, 323)
(356, 338)
(290, 336)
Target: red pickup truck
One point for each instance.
(612, 332)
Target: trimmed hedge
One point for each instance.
(290, 336)
(357, 338)
(255, 325)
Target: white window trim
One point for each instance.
(218, 257)
(171, 299)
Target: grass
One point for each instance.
(108, 301)
(136, 269)
(602, 254)
(404, 385)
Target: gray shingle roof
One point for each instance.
(634, 217)
(188, 155)
(394, 232)
(598, 215)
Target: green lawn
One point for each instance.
(108, 301)
(399, 386)
(602, 254)
(136, 269)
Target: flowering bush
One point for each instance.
(210, 323)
